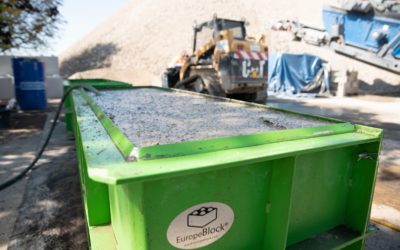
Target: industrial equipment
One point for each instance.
(367, 30)
(225, 62)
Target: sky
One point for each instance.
(81, 16)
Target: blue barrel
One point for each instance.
(30, 91)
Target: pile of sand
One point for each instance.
(137, 42)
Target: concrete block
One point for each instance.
(54, 87)
(6, 88)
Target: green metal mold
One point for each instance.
(308, 188)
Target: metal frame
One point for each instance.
(314, 181)
(386, 62)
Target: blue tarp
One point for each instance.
(291, 74)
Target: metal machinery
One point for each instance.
(225, 62)
(367, 30)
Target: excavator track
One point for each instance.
(210, 80)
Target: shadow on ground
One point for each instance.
(388, 180)
(95, 57)
(384, 88)
(383, 239)
(50, 213)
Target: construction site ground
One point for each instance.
(44, 210)
(134, 47)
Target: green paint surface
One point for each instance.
(301, 189)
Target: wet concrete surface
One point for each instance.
(151, 116)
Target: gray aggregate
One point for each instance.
(153, 117)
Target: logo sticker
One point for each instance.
(200, 225)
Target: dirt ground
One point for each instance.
(44, 210)
(374, 111)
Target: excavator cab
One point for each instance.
(213, 28)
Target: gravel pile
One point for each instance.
(137, 42)
(151, 116)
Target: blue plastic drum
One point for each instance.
(30, 91)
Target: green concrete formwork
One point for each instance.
(98, 84)
(308, 188)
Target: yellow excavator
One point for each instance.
(227, 62)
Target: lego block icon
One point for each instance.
(202, 217)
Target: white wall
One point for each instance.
(53, 81)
